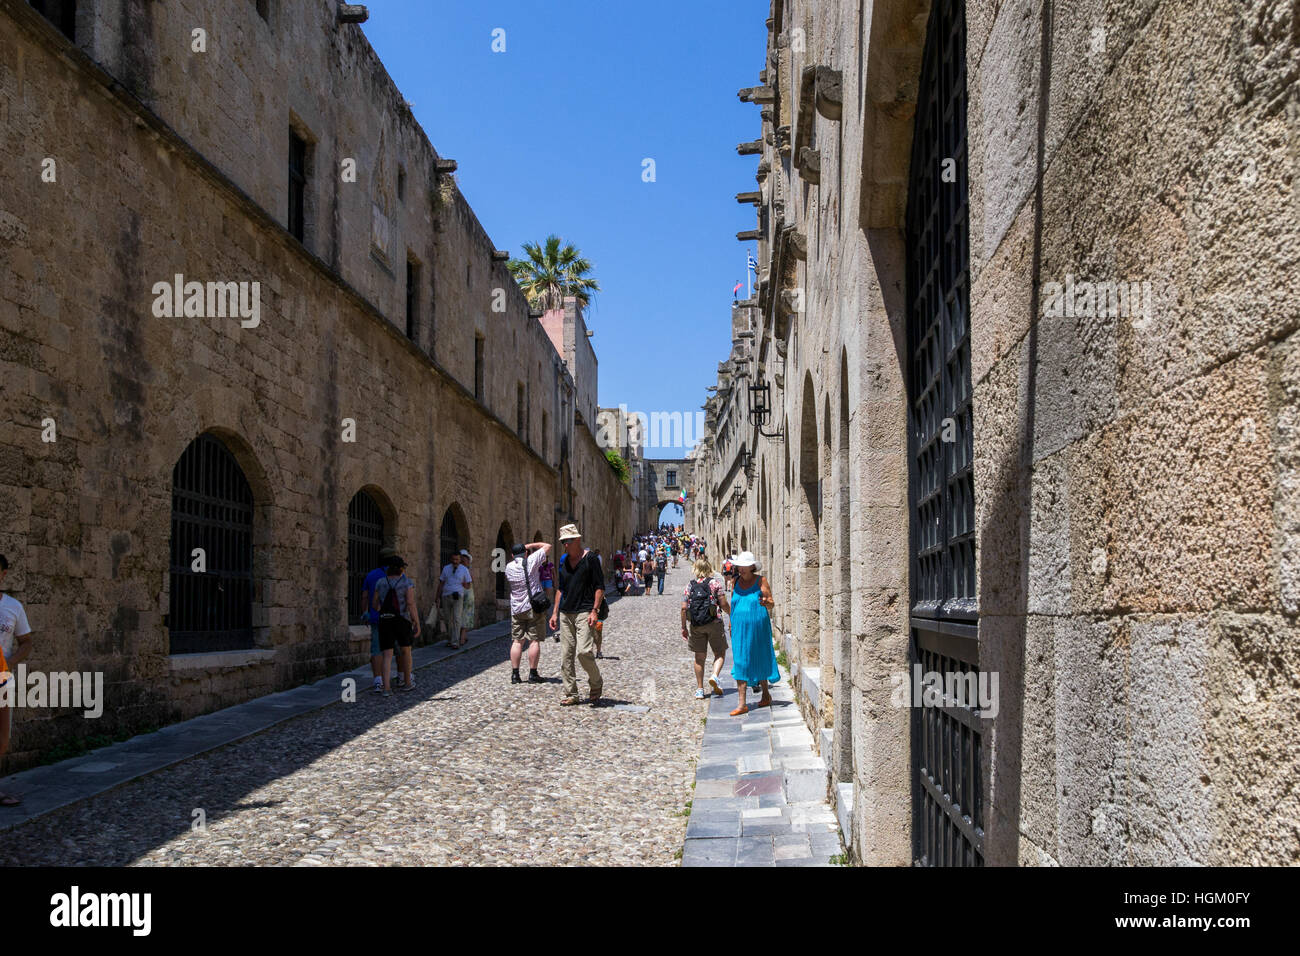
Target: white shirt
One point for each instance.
(454, 579)
(13, 624)
(514, 572)
(641, 556)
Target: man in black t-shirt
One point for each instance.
(579, 591)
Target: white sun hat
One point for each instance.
(745, 559)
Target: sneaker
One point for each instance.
(388, 693)
(378, 686)
(404, 688)
(700, 695)
(397, 680)
(717, 688)
(514, 677)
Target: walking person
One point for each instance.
(647, 573)
(753, 662)
(577, 601)
(702, 600)
(469, 610)
(661, 566)
(528, 607)
(372, 618)
(399, 622)
(15, 647)
(547, 576)
(449, 596)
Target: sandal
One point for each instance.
(740, 711)
(569, 702)
(764, 701)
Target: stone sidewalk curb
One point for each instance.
(760, 795)
(54, 786)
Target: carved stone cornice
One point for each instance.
(757, 94)
(810, 165)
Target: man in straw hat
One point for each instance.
(579, 591)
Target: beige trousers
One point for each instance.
(578, 638)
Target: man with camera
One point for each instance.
(528, 608)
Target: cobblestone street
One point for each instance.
(468, 769)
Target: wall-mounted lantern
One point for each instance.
(760, 408)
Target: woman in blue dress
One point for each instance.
(752, 658)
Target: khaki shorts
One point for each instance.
(529, 626)
(706, 638)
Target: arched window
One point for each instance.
(452, 537)
(211, 595)
(365, 538)
(947, 792)
(505, 541)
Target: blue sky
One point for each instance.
(551, 136)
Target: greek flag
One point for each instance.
(752, 264)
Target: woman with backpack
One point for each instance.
(399, 622)
(702, 628)
(752, 659)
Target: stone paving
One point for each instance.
(466, 769)
(760, 791)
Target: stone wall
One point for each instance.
(86, 518)
(1134, 475)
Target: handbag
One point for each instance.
(538, 601)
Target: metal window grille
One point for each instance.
(212, 509)
(448, 539)
(946, 746)
(61, 13)
(412, 296)
(297, 185)
(365, 538)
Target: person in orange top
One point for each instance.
(15, 646)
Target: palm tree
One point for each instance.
(551, 272)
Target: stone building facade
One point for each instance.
(391, 385)
(1017, 396)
